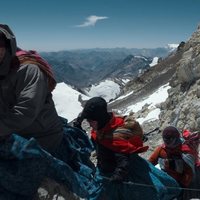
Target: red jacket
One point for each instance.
(117, 138)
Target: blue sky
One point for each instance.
(52, 25)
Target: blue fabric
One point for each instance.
(76, 145)
(144, 181)
(24, 164)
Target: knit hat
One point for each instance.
(171, 136)
(96, 109)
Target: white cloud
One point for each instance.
(91, 20)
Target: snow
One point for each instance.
(141, 57)
(154, 62)
(66, 101)
(125, 80)
(152, 100)
(68, 106)
(124, 96)
(172, 47)
(153, 115)
(107, 89)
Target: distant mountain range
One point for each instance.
(82, 68)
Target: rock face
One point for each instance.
(182, 108)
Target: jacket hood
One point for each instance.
(11, 49)
(10, 37)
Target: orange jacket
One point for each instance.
(162, 153)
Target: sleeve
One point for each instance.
(154, 156)
(31, 91)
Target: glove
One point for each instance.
(118, 176)
(77, 123)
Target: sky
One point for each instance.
(49, 25)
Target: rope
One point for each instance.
(155, 129)
(147, 185)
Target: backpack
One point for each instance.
(192, 139)
(32, 57)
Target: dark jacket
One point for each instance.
(26, 105)
(110, 161)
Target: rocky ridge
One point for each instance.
(182, 107)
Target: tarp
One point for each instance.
(145, 181)
(24, 164)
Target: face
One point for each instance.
(2, 50)
(93, 124)
(171, 142)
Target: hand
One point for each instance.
(116, 178)
(77, 123)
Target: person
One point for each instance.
(36, 143)
(174, 157)
(26, 84)
(120, 170)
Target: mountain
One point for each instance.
(179, 73)
(131, 66)
(167, 93)
(82, 68)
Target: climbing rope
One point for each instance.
(148, 185)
